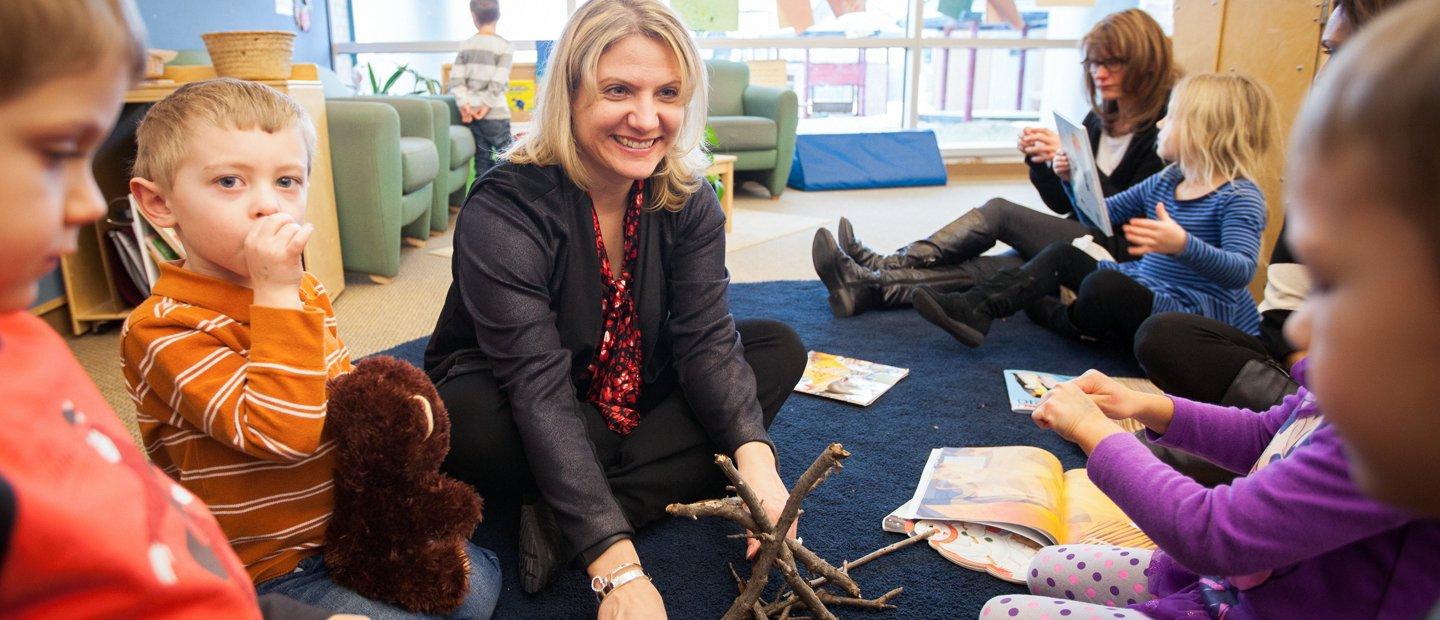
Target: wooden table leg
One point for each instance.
(728, 204)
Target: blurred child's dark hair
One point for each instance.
(1360, 12)
(1372, 111)
(485, 11)
(42, 39)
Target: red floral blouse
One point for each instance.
(615, 371)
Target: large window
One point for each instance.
(971, 70)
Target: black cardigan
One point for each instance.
(1139, 162)
(525, 305)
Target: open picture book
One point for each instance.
(847, 379)
(1084, 175)
(994, 508)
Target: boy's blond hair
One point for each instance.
(1224, 126)
(572, 77)
(1371, 116)
(226, 103)
(49, 38)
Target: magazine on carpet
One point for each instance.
(994, 508)
(1084, 175)
(847, 379)
(1026, 388)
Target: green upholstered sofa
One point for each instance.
(756, 124)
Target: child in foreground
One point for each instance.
(1298, 536)
(227, 360)
(88, 529)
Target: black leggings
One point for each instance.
(1203, 359)
(1109, 305)
(1030, 231)
(667, 458)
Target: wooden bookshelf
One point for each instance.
(89, 289)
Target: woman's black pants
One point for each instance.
(667, 458)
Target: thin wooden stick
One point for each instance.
(802, 589)
(819, 566)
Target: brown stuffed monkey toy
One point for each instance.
(399, 528)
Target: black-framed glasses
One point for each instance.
(1111, 64)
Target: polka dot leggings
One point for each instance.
(1079, 582)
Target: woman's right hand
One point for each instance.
(638, 599)
(1039, 144)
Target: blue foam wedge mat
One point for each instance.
(866, 160)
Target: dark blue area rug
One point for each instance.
(954, 396)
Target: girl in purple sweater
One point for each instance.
(1292, 538)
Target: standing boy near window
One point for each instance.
(479, 80)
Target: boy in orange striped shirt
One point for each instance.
(228, 358)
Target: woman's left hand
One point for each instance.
(756, 464)
(1162, 234)
(1070, 412)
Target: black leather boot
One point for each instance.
(966, 237)
(967, 316)
(863, 255)
(852, 287)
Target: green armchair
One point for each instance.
(462, 155)
(385, 164)
(439, 130)
(756, 124)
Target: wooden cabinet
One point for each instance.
(89, 288)
(1275, 41)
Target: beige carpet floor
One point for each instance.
(770, 241)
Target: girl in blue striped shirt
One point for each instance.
(1195, 225)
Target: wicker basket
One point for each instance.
(251, 54)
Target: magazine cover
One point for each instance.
(996, 507)
(847, 379)
(1026, 388)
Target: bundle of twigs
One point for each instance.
(788, 554)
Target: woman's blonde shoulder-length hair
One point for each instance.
(1225, 125)
(572, 76)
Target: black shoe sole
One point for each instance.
(824, 254)
(541, 553)
(930, 309)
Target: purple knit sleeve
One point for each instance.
(1294, 509)
(1230, 437)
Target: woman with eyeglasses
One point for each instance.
(1129, 69)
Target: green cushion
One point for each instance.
(743, 133)
(755, 160)
(462, 146)
(419, 163)
(728, 80)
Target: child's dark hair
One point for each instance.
(1372, 113)
(49, 38)
(1360, 12)
(485, 11)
